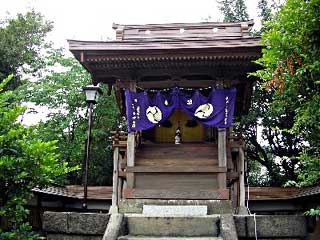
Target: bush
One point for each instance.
(25, 162)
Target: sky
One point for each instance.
(92, 20)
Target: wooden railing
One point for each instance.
(126, 166)
(124, 145)
(120, 138)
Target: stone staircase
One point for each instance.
(143, 227)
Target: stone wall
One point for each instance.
(91, 226)
(271, 227)
(74, 225)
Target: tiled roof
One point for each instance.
(310, 191)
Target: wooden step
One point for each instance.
(177, 169)
(172, 162)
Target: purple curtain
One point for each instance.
(144, 112)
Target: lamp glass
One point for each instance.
(92, 93)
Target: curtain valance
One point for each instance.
(145, 112)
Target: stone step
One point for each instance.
(173, 226)
(187, 210)
(167, 238)
(214, 206)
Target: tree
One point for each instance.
(265, 14)
(25, 162)
(21, 42)
(60, 91)
(233, 10)
(282, 149)
(290, 74)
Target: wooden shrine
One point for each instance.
(209, 162)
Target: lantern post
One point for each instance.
(92, 95)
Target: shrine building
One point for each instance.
(182, 89)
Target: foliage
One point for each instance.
(60, 91)
(257, 175)
(25, 162)
(280, 149)
(265, 13)
(21, 42)
(234, 10)
(290, 75)
(313, 212)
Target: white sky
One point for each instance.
(92, 20)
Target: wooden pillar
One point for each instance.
(115, 196)
(131, 144)
(241, 178)
(130, 158)
(120, 181)
(222, 157)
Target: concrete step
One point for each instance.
(167, 238)
(173, 226)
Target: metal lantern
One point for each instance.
(92, 93)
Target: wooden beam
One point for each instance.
(177, 194)
(177, 169)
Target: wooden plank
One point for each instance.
(176, 162)
(94, 192)
(273, 193)
(221, 194)
(178, 181)
(177, 169)
(196, 154)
